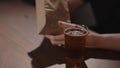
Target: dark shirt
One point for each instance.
(107, 14)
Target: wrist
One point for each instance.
(93, 40)
(98, 40)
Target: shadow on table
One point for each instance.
(47, 55)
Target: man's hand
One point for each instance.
(59, 39)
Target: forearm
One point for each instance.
(108, 41)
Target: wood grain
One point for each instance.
(18, 34)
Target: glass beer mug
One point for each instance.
(75, 41)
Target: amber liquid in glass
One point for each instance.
(75, 39)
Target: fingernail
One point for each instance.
(60, 22)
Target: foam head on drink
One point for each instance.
(75, 40)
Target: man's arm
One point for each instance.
(94, 40)
(108, 41)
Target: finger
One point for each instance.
(66, 25)
(59, 37)
(57, 42)
(55, 38)
(49, 37)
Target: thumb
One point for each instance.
(66, 24)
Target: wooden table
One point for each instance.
(18, 36)
(47, 55)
